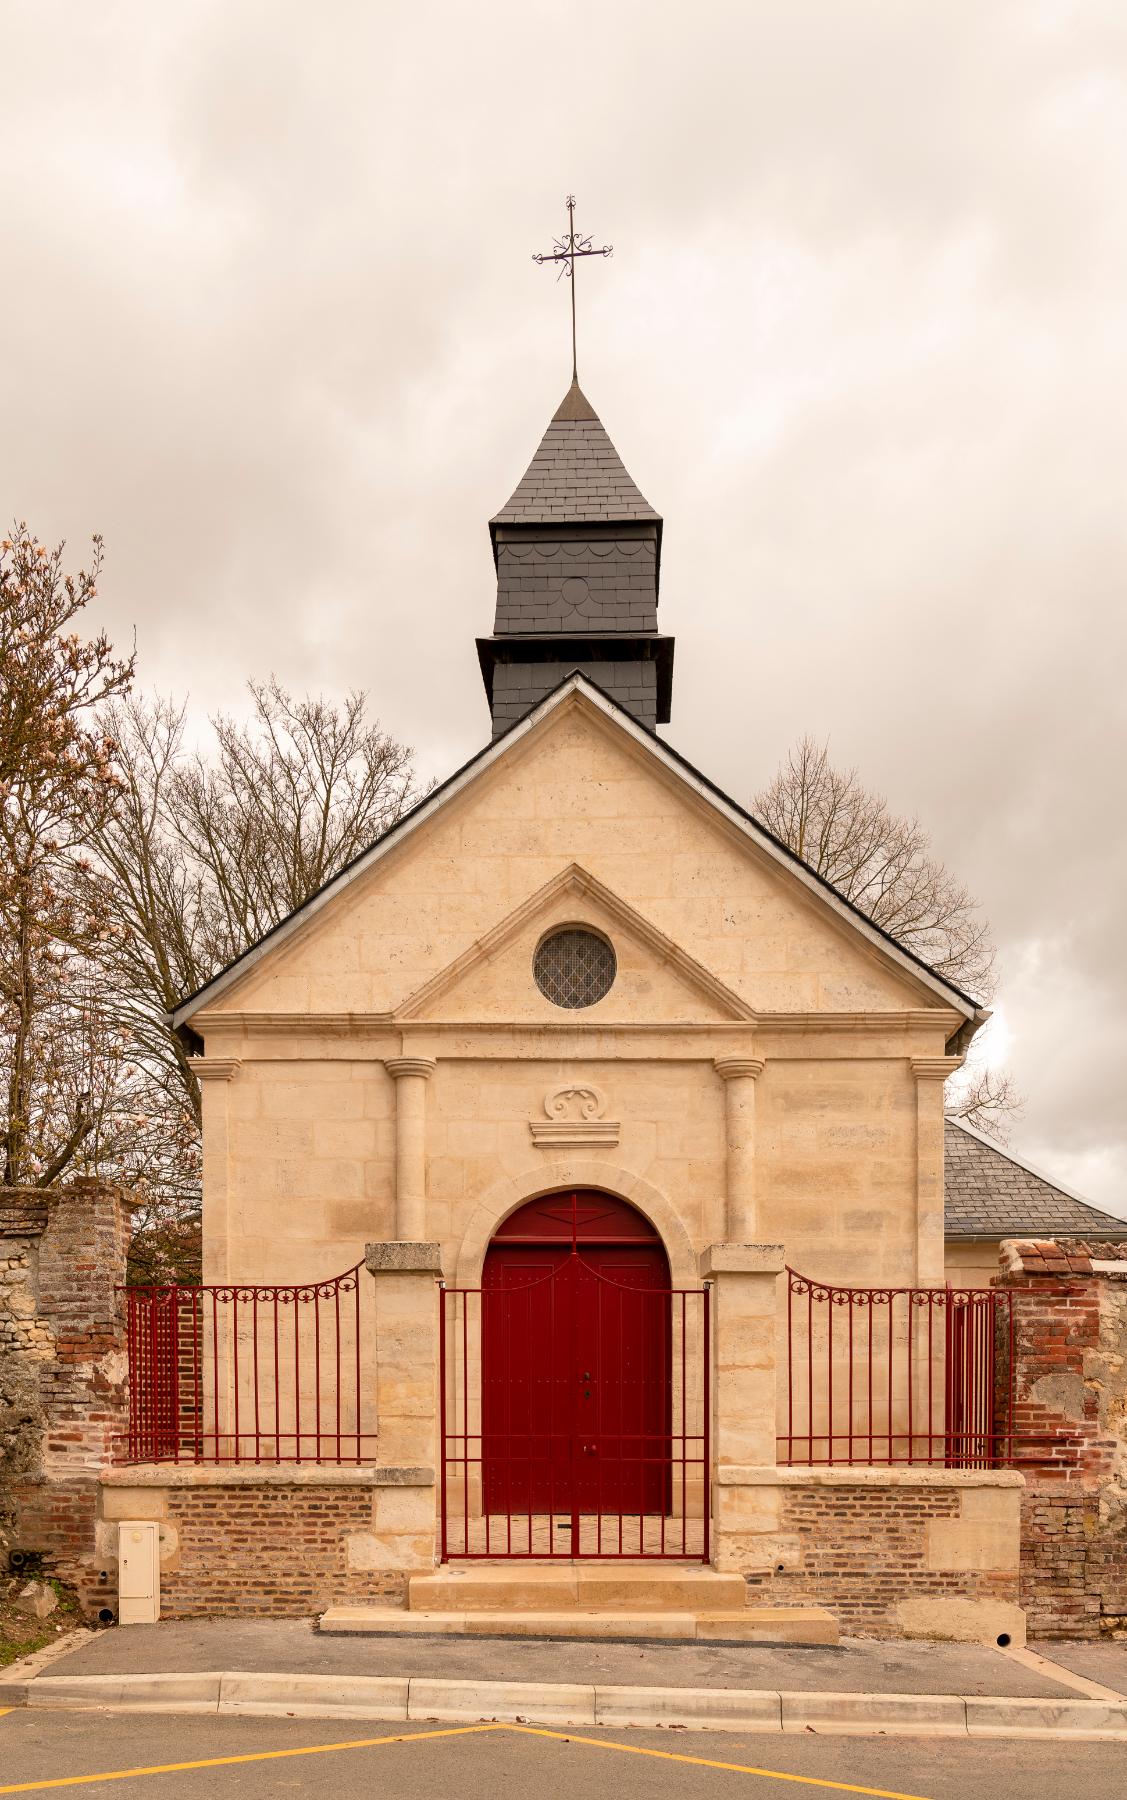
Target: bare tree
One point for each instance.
(204, 853)
(59, 1070)
(983, 1095)
(883, 864)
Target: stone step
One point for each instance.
(747, 1624)
(585, 1587)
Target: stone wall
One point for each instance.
(253, 1542)
(1071, 1387)
(428, 953)
(893, 1552)
(62, 1372)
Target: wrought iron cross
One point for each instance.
(564, 251)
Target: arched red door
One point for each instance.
(576, 1361)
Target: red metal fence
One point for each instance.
(244, 1374)
(884, 1375)
(574, 1416)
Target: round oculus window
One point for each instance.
(574, 967)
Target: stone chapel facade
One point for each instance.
(762, 1063)
(579, 983)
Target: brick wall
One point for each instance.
(62, 1370)
(267, 1548)
(1070, 1380)
(865, 1551)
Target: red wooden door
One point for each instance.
(576, 1362)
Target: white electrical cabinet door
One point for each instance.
(138, 1572)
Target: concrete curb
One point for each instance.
(420, 1700)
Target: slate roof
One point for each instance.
(989, 1194)
(576, 474)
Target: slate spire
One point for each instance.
(577, 549)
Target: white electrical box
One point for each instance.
(138, 1572)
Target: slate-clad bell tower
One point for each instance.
(578, 557)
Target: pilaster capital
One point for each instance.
(731, 1068)
(215, 1068)
(934, 1068)
(422, 1066)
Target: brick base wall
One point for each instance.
(272, 1548)
(863, 1551)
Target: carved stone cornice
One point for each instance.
(934, 1068)
(422, 1066)
(731, 1068)
(574, 1115)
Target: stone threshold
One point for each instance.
(743, 1625)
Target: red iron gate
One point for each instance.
(884, 1375)
(245, 1374)
(574, 1407)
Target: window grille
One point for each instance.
(574, 967)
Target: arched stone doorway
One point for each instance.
(576, 1360)
(575, 1409)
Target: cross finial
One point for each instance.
(564, 251)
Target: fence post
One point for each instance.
(744, 1280)
(405, 1509)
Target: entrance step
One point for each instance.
(584, 1587)
(746, 1624)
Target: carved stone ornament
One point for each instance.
(574, 1115)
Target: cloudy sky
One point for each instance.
(270, 324)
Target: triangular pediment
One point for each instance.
(578, 808)
(655, 981)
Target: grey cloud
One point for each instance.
(272, 326)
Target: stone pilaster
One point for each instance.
(744, 1279)
(215, 1074)
(739, 1075)
(930, 1074)
(410, 1075)
(405, 1513)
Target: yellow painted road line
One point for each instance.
(705, 1762)
(218, 1762)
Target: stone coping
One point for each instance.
(402, 1257)
(181, 1475)
(743, 1259)
(740, 1475)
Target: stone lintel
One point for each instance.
(743, 1259)
(735, 1475)
(183, 1475)
(403, 1258)
(554, 1132)
(403, 1477)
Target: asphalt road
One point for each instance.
(281, 1757)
